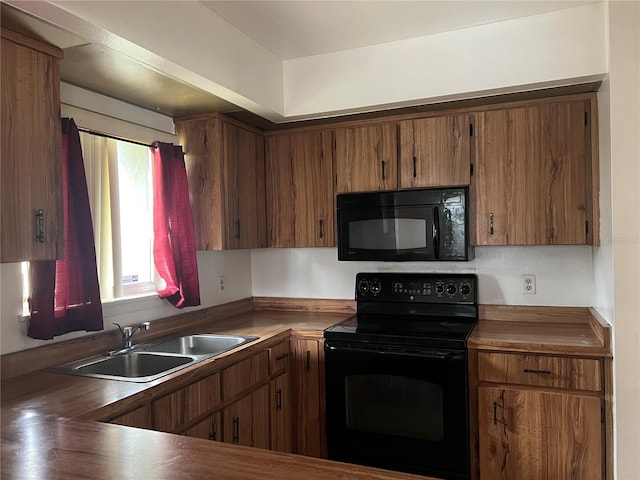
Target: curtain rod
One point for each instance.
(104, 135)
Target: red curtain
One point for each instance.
(64, 294)
(174, 247)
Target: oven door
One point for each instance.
(388, 233)
(399, 410)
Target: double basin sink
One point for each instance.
(146, 363)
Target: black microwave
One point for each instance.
(405, 225)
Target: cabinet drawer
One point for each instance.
(557, 372)
(174, 410)
(244, 375)
(279, 357)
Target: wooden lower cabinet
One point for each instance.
(535, 434)
(309, 401)
(281, 433)
(209, 428)
(140, 418)
(246, 422)
(173, 411)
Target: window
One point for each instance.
(120, 184)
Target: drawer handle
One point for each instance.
(308, 360)
(384, 177)
(282, 357)
(495, 416)
(415, 173)
(541, 372)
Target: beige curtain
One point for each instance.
(101, 167)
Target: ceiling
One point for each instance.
(293, 29)
(289, 29)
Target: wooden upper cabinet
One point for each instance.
(225, 169)
(366, 158)
(245, 183)
(435, 152)
(533, 175)
(31, 151)
(300, 193)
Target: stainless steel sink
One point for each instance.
(134, 366)
(147, 363)
(201, 345)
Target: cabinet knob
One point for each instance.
(490, 223)
(279, 399)
(237, 222)
(321, 228)
(415, 173)
(383, 170)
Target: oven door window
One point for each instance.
(404, 407)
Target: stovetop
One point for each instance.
(435, 310)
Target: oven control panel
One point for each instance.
(417, 287)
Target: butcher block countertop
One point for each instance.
(48, 419)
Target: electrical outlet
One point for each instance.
(221, 285)
(528, 284)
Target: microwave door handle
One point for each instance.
(436, 233)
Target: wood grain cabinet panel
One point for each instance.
(300, 190)
(279, 357)
(281, 414)
(225, 170)
(308, 392)
(543, 371)
(31, 151)
(244, 375)
(529, 435)
(139, 417)
(435, 152)
(246, 422)
(533, 175)
(366, 158)
(179, 408)
(209, 428)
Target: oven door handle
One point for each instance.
(436, 354)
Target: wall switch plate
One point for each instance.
(221, 285)
(528, 284)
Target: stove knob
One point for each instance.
(375, 287)
(451, 289)
(439, 288)
(363, 287)
(465, 289)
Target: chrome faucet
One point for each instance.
(127, 336)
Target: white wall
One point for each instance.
(563, 273)
(124, 120)
(624, 92)
(542, 50)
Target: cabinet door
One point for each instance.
(246, 422)
(245, 215)
(209, 428)
(182, 406)
(435, 152)
(366, 158)
(281, 432)
(300, 195)
(529, 434)
(140, 418)
(531, 175)
(202, 144)
(309, 397)
(31, 154)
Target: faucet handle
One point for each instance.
(119, 327)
